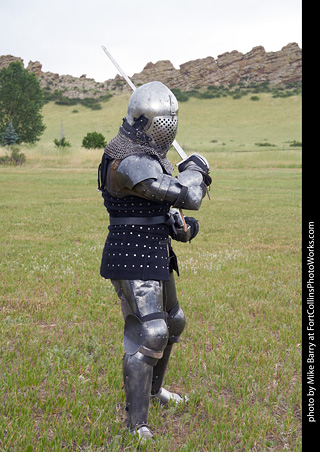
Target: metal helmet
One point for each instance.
(155, 102)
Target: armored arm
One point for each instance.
(143, 175)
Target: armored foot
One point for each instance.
(164, 396)
(144, 435)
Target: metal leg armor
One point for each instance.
(176, 323)
(159, 370)
(137, 377)
(153, 323)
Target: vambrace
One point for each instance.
(143, 176)
(168, 188)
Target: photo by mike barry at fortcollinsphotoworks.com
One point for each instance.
(310, 397)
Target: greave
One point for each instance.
(159, 370)
(137, 378)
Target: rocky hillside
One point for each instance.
(279, 68)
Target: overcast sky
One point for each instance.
(66, 36)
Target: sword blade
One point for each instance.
(175, 144)
(121, 71)
(179, 149)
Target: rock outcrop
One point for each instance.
(284, 66)
(279, 68)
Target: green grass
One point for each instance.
(229, 128)
(240, 287)
(226, 123)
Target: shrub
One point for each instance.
(4, 159)
(193, 93)
(295, 144)
(15, 158)
(94, 140)
(105, 97)
(88, 102)
(254, 98)
(92, 103)
(62, 143)
(181, 97)
(62, 100)
(264, 144)
(207, 95)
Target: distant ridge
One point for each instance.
(279, 68)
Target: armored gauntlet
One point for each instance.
(184, 229)
(196, 162)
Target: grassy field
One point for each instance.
(240, 287)
(227, 127)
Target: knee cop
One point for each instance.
(146, 337)
(176, 322)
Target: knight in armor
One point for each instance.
(143, 200)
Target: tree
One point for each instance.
(94, 140)
(9, 136)
(21, 99)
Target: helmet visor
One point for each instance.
(163, 130)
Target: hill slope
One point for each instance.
(204, 124)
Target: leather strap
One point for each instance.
(160, 219)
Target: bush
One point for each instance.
(62, 143)
(295, 144)
(88, 102)
(94, 140)
(193, 93)
(265, 144)
(181, 97)
(15, 158)
(92, 103)
(207, 95)
(62, 100)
